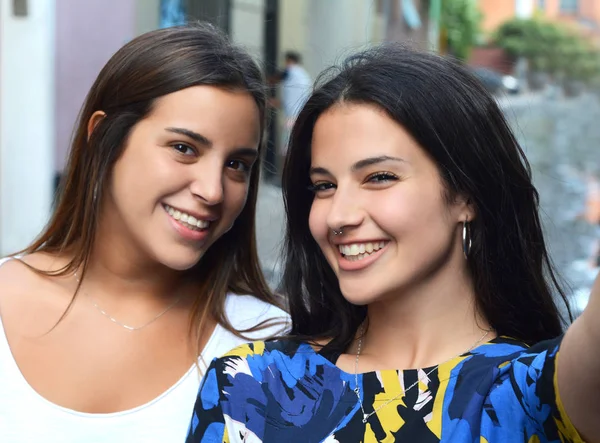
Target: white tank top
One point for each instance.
(27, 417)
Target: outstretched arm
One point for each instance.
(578, 370)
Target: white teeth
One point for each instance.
(356, 257)
(360, 250)
(187, 218)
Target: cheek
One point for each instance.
(126, 182)
(140, 170)
(394, 212)
(317, 221)
(412, 215)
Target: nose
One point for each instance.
(345, 212)
(207, 184)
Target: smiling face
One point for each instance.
(373, 182)
(184, 174)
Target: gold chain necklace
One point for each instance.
(123, 325)
(357, 388)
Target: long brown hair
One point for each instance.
(153, 65)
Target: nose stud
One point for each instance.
(340, 232)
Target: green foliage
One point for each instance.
(549, 48)
(528, 37)
(460, 25)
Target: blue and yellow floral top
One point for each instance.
(285, 392)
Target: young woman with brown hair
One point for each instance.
(154, 234)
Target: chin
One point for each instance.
(181, 261)
(360, 295)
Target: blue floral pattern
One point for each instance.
(284, 391)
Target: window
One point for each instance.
(523, 8)
(569, 6)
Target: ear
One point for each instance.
(93, 122)
(465, 209)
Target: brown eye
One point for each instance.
(239, 165)
(320, 187)
(381, 177)
(183, 149)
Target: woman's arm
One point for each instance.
(578, 370)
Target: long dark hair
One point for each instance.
(460, 126)
(151, 66)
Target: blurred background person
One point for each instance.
(295, 84)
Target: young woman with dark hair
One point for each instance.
(422, 297)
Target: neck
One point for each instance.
(425, 325)
(122, 275)
(119, 268)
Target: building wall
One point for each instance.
(147, 16)
(495, 12)
(27, 98)
(328, 43)
(247, 25)
(588, 9)
(83, 46)
(293, 27)
(306, 26)
(551, 9)
(594, 5)
(587, 18)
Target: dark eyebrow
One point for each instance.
(374, 160)
(193, 135)
(360, 164)
(247, 152)
(319, 170)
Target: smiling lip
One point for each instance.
(356, 265)
(195, 235)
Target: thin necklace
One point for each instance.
(357, 388)
(123, 325)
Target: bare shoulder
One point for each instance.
(29, 300)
